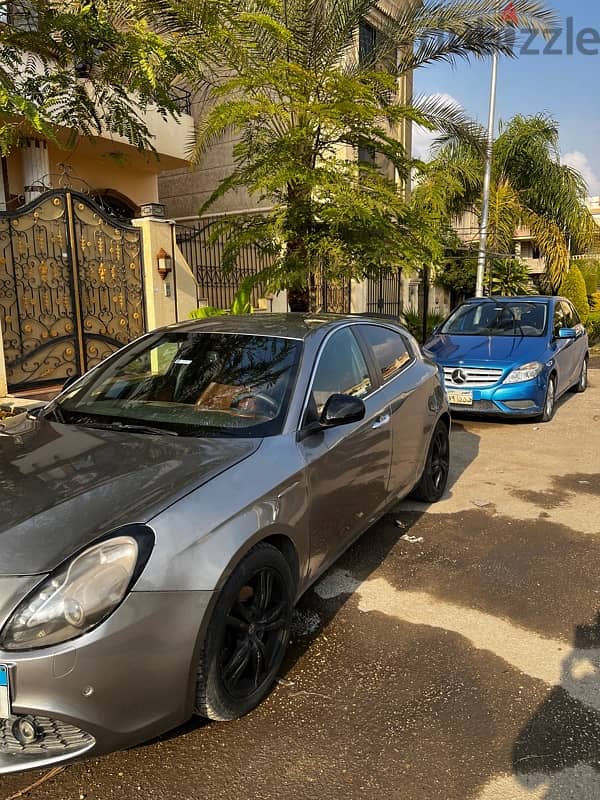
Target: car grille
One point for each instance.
(472, 377)
(56, 738)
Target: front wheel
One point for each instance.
(550, 401)
(582, 383)
(247, 636)
(433, 481)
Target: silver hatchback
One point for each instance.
(159, 520)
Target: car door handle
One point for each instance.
(381, 421)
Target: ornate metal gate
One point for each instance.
(71, 288)
(384, 293)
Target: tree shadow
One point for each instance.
(561, 741)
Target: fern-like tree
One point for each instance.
(530, 187)
(315, 105)
(91, 66)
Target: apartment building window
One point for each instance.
(367, 41)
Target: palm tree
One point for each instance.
(530, 187)
(308, 93)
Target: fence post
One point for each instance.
(3, 381)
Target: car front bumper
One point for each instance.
(514, 400)
(127, 681)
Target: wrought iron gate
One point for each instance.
(330, 296)
(71, 288)
(384, 293)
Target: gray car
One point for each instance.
(159, 520)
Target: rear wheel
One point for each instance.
(247, 636)
(582, 383)
(433, 481)
(550, 401)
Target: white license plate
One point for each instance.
(4, 692)
(460, 398)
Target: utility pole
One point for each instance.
(487, 179)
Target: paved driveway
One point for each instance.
(453, 653)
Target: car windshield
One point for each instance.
(498, 318)
(189, 383)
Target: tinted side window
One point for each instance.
(342, 370)
(573, 317)
(559, 319)
(389, 348)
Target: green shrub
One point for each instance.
(593, 328)
(590, 269)
(413, 322)
(510, 277)
(595, 302)
(573, 288)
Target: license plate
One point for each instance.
(460, 398)
(4, 692)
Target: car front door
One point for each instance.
(565, 353)
(348, 466)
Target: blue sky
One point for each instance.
(566, 86)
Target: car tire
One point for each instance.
(582, 383)
(247, 636)
(434, 479)
(549, 400)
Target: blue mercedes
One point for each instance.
(513, 356)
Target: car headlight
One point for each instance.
(525, 373)
(79, 594)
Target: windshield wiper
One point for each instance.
(132, 427)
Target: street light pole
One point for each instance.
(487, 179)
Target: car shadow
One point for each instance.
(362, 559)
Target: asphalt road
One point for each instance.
(453, 653)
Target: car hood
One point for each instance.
(62, 486)
(476, 350)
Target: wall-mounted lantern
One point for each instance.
(164, 263)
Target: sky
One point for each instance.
(565, 85)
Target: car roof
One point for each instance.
(291, 326)
(512, 298)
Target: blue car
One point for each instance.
(512, 356)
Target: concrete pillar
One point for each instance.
(35, 167)
(169, 299)
(358, 296)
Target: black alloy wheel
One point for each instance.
(434, 479)
(247, 637)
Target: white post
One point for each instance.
(35, 167)
(487, 179)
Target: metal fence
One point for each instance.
(204, 251)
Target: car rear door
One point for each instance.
(407, 396)
(347, 467)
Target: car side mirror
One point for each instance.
(342, 409)
(567, 333)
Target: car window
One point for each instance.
(390, 351)
(192, 383)
(571, 315)
(559, 319)
(522, 318)
(342, 369)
